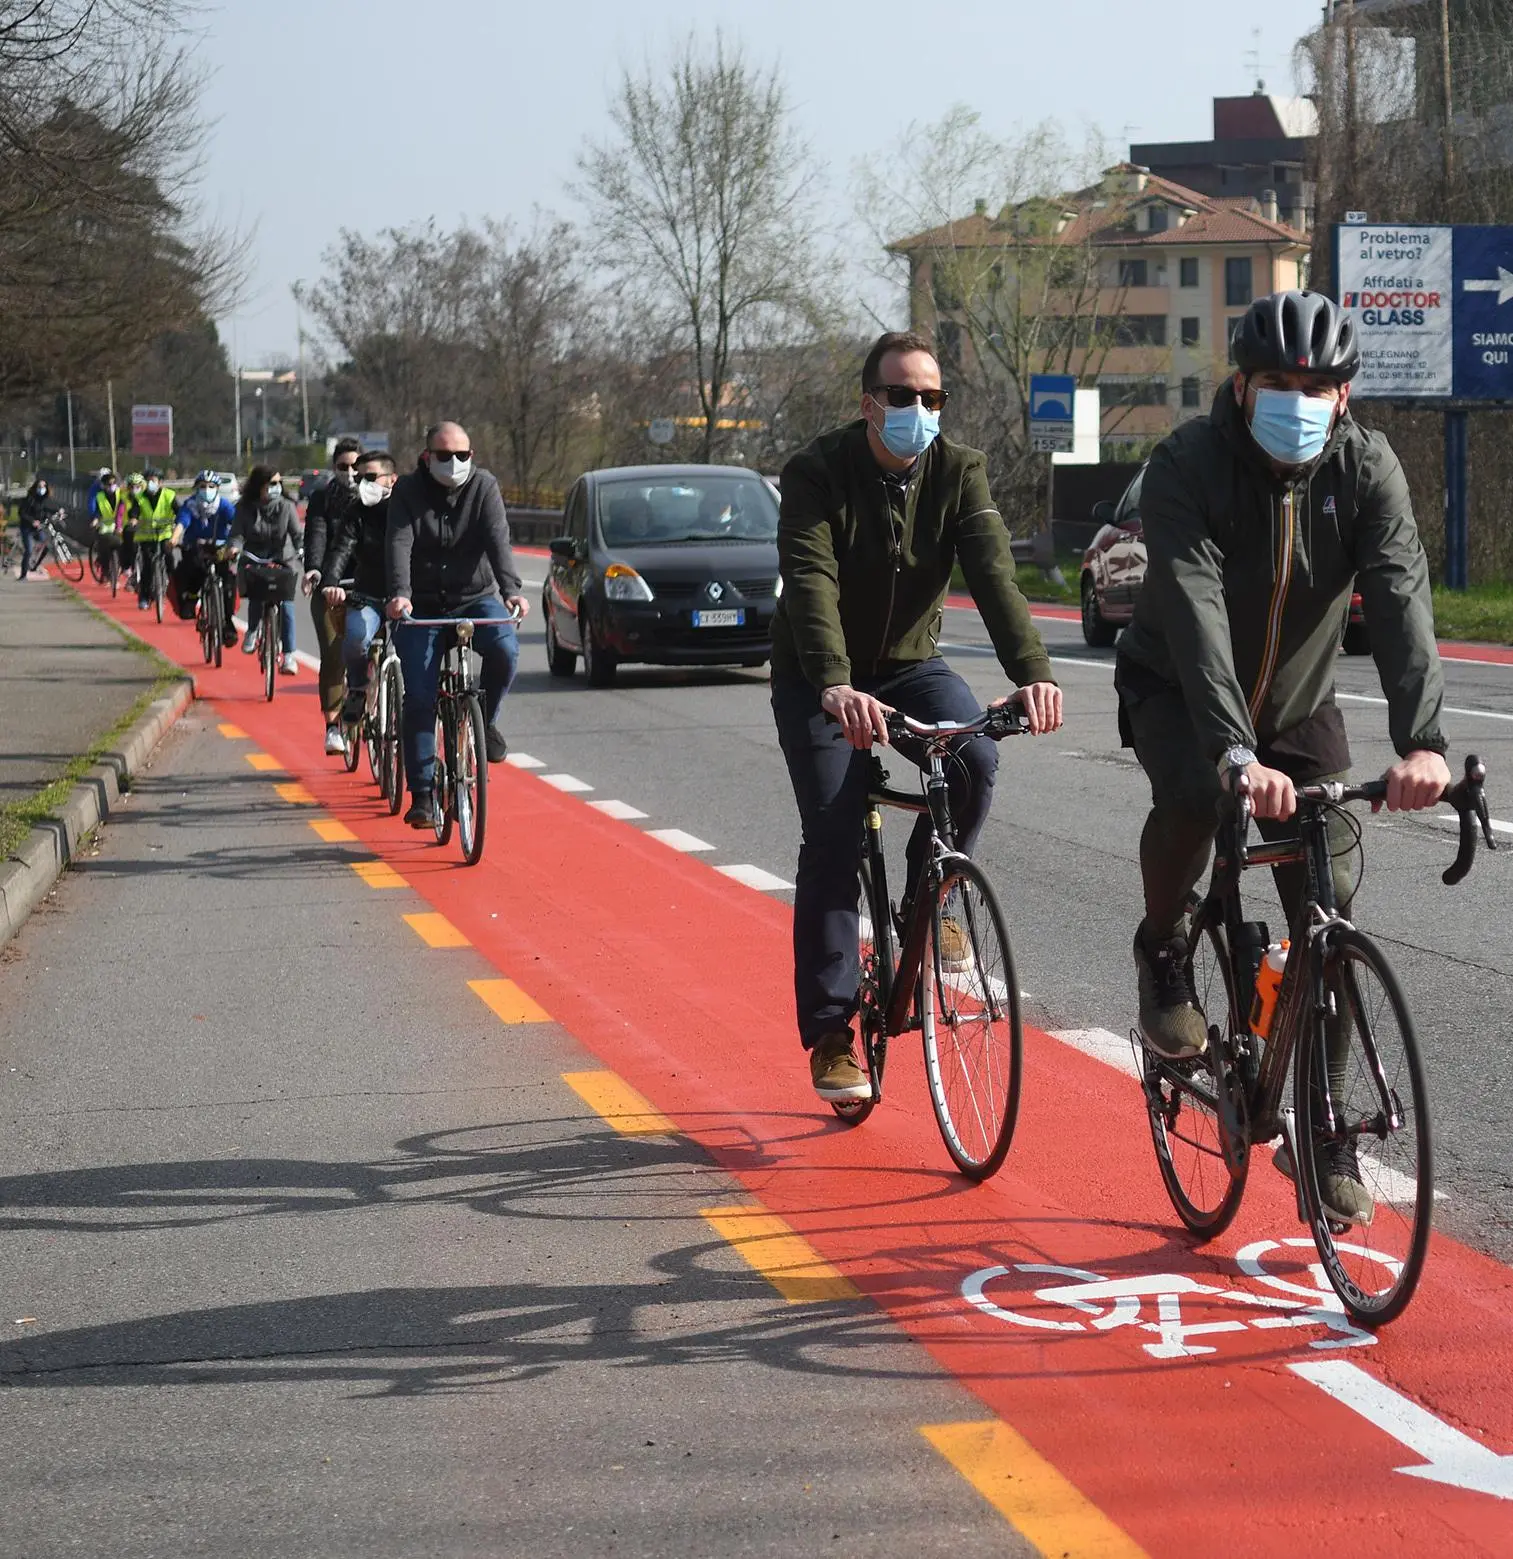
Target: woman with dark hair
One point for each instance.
(267, 526)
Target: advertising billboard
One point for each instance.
(1434, 307)
(152, 430)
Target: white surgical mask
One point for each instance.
(152, 487)
(275, 489)
(450, 472)
(371, 492)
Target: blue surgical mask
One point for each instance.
(1290, 426)
(908, 431)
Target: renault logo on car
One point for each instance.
(716, 591)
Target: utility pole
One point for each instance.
(1350, 103)
(236, 379)
(299, 331)
(1444, 54)
(110, 413)
(68, 395)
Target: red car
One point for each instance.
(1113, 571)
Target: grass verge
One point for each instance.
(1483, 613)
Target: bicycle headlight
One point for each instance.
(623, 583)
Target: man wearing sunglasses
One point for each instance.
(324, 516)
(448, 552)
(875, 515)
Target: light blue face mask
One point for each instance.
(1290, 426)
(908, 431)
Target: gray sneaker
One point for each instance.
(834, 1070)
(1171, 1025)
(1340, 1185)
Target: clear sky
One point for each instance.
(369, 113)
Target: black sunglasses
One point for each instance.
(901, 395)
(450, 454)
(347, 465)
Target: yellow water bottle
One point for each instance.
(1268, 983)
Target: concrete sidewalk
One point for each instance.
(66, 677)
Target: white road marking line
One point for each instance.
(1498, 826)
(1102, 1045)
(755, 877)
(618, 809)
(523, 760)
(1450, 709)
(566, 782)
(677, 839)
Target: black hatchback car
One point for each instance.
(670, 565)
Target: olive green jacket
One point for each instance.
(866, 562)
(1249, 579)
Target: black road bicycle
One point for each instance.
(377, 727)
(53, 541)
(210, 613)
(1341, 1022)
(942, 966)
(461, 776)
(278, 585)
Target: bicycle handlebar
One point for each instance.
(407, 621)
(995, 724)
(1467, 795)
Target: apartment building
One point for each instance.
(1159, 274)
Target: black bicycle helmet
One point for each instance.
(1298, 333)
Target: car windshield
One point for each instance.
(686, 508)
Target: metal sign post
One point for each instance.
(1053, 431)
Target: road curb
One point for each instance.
(27, 877)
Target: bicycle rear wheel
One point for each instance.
(217, 617)
(372, 725)
(203, 626)
(70, 564)
(391, 697)
(441, 775)
(470, 790)
(159, 582)
(97, 562)
(1203, 1158)
(877, 958)
(973, 1031)
(1381, 1109)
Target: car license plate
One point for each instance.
(733, 617)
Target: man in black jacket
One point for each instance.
(357, 552)
(449, 556)
(322, 517)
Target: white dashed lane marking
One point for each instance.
(567, 782)
(523, 760)
(755, 877)
(678, 840)
(622, 810)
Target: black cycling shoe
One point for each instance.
(422, 813)
(495, 745)
(1171, 1024)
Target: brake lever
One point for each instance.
(1469, 798)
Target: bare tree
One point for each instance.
(1005, 270)
(703, 208)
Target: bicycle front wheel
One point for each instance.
(159, 584)
(973, 1031)
(1378, 1139)
(203, 626)
(441, 775)
(217, 619)
(470, 788)
(97, 563)
(113, 568)
(268, 651)
(1196, 1108)
(70, 564)
(391, 695)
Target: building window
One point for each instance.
(1132, 273)
(1137, 392)
(1190, 331)
(1157, 219)
(1190, 395)
(1189, 277)
(1237, 288)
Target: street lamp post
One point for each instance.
(299, 333)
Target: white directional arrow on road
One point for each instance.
(1503, 286)
(1453, 1458)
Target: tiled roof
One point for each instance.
(1103, 212)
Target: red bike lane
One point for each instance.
(1158, 1377)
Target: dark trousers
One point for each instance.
(420, 653)
(830, 779)
(330, 626)
(146, 552)
(29, 534)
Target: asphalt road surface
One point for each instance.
(324, 1238)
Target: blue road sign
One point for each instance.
(1483, 314)
(1053, 398)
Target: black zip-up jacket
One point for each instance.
(270, 531)
(448, 547)
(35, 507)
(1248, 585)
(358, 550)
(866, 560)
(326, 508)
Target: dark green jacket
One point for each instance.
(866, 562)
(1249, 579)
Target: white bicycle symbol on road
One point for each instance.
(1103, 1304)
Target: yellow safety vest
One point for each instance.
(155, 515)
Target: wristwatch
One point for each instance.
(1236, 758)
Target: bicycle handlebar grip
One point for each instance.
(1469, 798)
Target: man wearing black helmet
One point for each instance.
(1259, 519)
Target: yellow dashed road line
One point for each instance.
(332, 831)
(295, 793)
(233, 732)
(629, 1112)
(436, 930)
(262, 762)
(378, 874)
(1021, 1485)
(508, 1002)
(786, 1259)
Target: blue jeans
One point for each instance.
(253, 606)
(830, 785)
(420, 655)
(29, 534)
(362, 626)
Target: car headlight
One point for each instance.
(623, 583)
